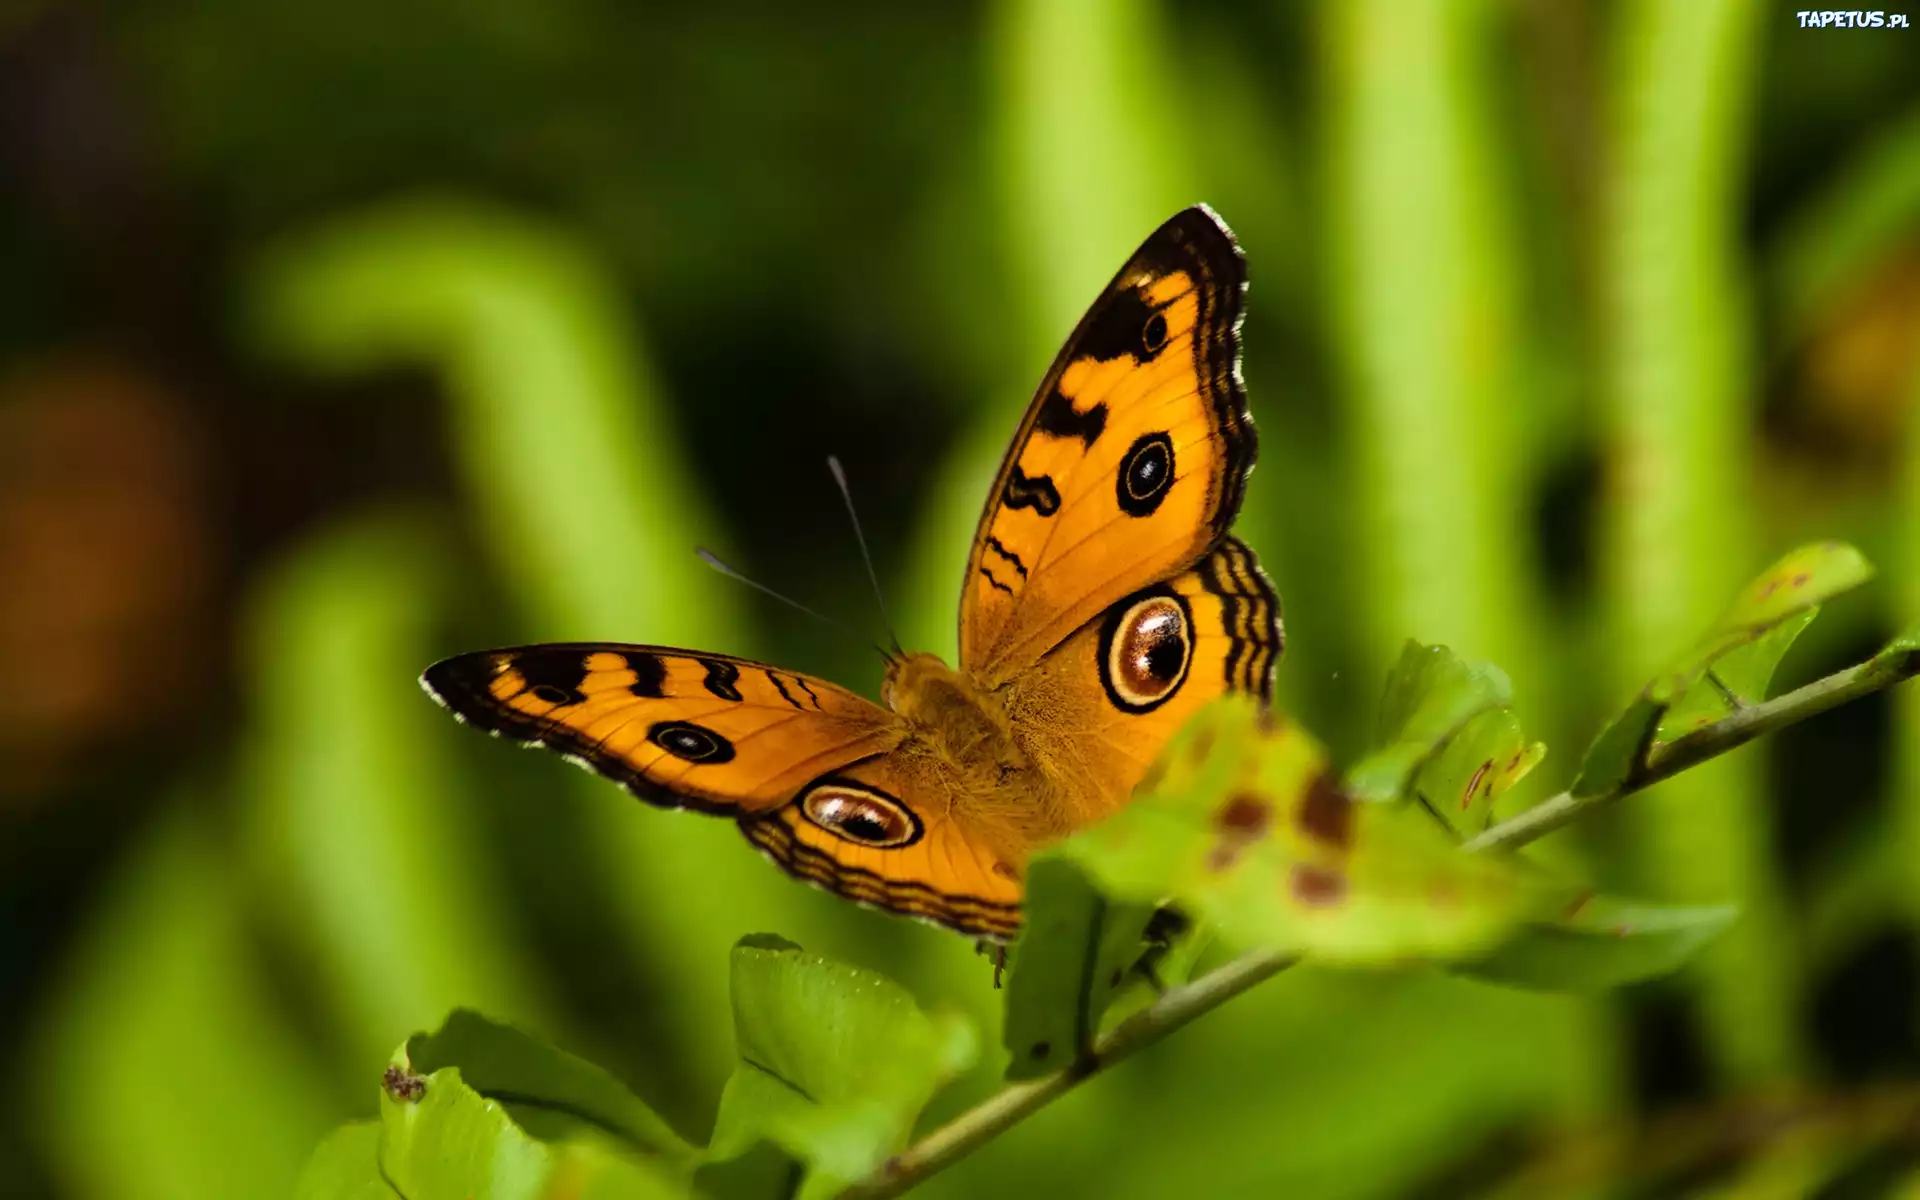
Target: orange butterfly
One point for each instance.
(1104, 603)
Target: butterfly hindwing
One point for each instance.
(1132, 458)
(810, 770)
(1108, 718)
(936, 865)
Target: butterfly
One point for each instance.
(1104, 603)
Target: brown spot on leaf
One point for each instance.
(403, 1085)
(1327, 814)
(1317, 887)
(1242, 820)
(1245, 815)
(1150, 782)
(1802, 579)
(1579, 902)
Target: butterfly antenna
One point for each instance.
(713, 560)
(846, 495)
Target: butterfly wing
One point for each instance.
(938, 866)
(813, 772)
(1100, 737)
(1130, 464)
(675, 728)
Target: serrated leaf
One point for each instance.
(1748, 641)
(443, 1140)
(1075, 953)
(346, 1166)
(1431, 694)
(1243, 825)
(1605, 942)
(835, 1063)
(1431, 690)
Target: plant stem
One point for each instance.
(962, 1135)
(1011, 1105)
(1709, 741)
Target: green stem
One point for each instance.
(1704, 743)
(1011, 1105)
(979, 1124)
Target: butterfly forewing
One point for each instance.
(675, 727)
(1132, 458)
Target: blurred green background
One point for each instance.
(337, 337)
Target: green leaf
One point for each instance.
(1804, 578)
(1738, 678)
(836, 1063)
(1431, 690)
(1431, 694)
(1799, 583)
(1076, 951)
(1741, 650)
(346, 1166)
(1605, 942)
(503, 1063)
(1621, 748)
(1476, 766)
(443, 1140)
(1244, 825)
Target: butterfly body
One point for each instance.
(1104, 604)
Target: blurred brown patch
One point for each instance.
(1326, 815)
(1860, 363)
(105, 567)
(1840, 425)
(1241, 821)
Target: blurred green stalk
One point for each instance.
(1087, 158)
(570, 452)
(166, 1070)
(590, 514)
(361, 840)
(1428, 334)
(1677, 535)
(1905, 575)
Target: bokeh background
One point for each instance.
(340, 335)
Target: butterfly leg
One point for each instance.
(997, 951)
